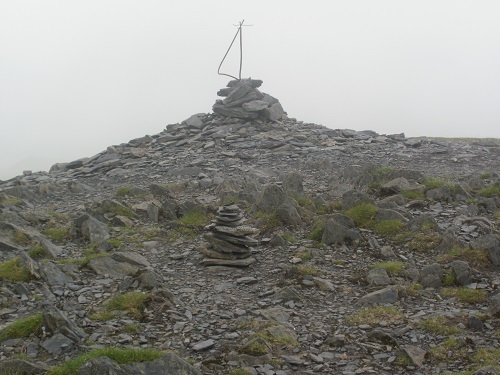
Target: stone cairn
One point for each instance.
(242, 99)
(229, 244)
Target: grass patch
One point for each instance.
(442, 352)
(240, 371)
(267, 222)
(414, 289)
(36, 252)
(21, 328)
(433, 183)
(255, 348)
(449, 278)
(195, 218)
(419, 242)
(465, 295)
(363, 214)
(123, 191)
(374, 315)
(21, 238)
(82, 262)
(485, 175)
(305, 254)
(57, 234)
(307, 270)
(478, 258)
(317, 230)
(440, 325)
(302, 201)
(9, 200)
(120, 210)
(115, 242)
(132, 302)
(11, 270)
(102, 316)
(388, 227)
(490, 191)
(487, 357)
(382, 170)
(393, 268)
(289, 238)
(120, 355)
(412, 194)
(132, 328)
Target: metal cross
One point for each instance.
(240, 32)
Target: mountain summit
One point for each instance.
(247, 242)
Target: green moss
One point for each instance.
(303, 201)
(440, 325)
(490, 191)
(414, 289)
(12, 271)
(433, 183)
(102, 316)
(388, 227)
(449, 278)
(21, 328)
(465, 294)
(374, 315)
(362, 214)
(255, 348)
(120, 355)
(484, 176)
(382, 170)
(115, 242)
(132, 302)
(419, 242)
(442, 352)
(240, 371)
(471, 201)
(393, 268)
(122, 191)
(82, 262)
(487, 357)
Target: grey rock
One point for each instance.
(194, 121)
(293, 183)
(56, 321)
(277, 241)
(255, 105)
(149, 280)
(490, 243)
(130, 257)
(432, 276)
(107, 266)
(486, 370)
(378, 277)
(494, 308)
(92, 229)
(462, 272)
(20, 366)
(203, 345)
(271, 198)
(53, 275)
(274, 112)
(288, 214)
(416, 354)
(168, 364)
(382, 296)
(385, 214)
(102, 366)
(337, 232)
(354, 197)
(439, 194)
(58, 344)
(228, 262)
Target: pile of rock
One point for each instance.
(242, 99)
(228, 239)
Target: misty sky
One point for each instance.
(78, 76)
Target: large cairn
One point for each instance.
(242, 99)
(229, 244)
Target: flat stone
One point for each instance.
(382, 296)
(203, 345)
(108, 266)
(130, 257)
(225, 262)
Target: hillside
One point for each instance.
(331, 252)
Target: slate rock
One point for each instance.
(462, 272)
(432, 276)
(58, 344)
(92, 229)
(271, 198)
(416, 354)
(21, 366)
(439, 194)
(490, 243)
(107, 266)
(336, 232)
(56, 321)
(494, 307)
(102, 366)
(382, 296)
(53, 275)
(352, 198)
(378, 277)
(131, 257)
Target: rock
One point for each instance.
(273, 112)
(53, 275)
(324, 284)
(439, 194)
(277, 241)
(293, 183)
(336, 232)
(107, 266)
(21, 366)
(271, 198)
(58, 344)
(130, 257)
(432, 276)
(490, 243)
(494, 308)
(203, 345)
(486, 370)
(378, 277)
(255, 105)
(92, 229)
(382, 296)
(55, 321)
(416, 354)
(462, 272)
(101, 366)
(355, 197)
(288, 214)
(168, 364)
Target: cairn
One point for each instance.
(229, 244)
(242, 99)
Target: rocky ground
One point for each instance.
(375, 254)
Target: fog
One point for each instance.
(78, 76)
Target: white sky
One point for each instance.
(78, 76)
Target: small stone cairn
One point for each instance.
(229, 244)
(244, 100)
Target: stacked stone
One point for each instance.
(229, 244)
(244, 100)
